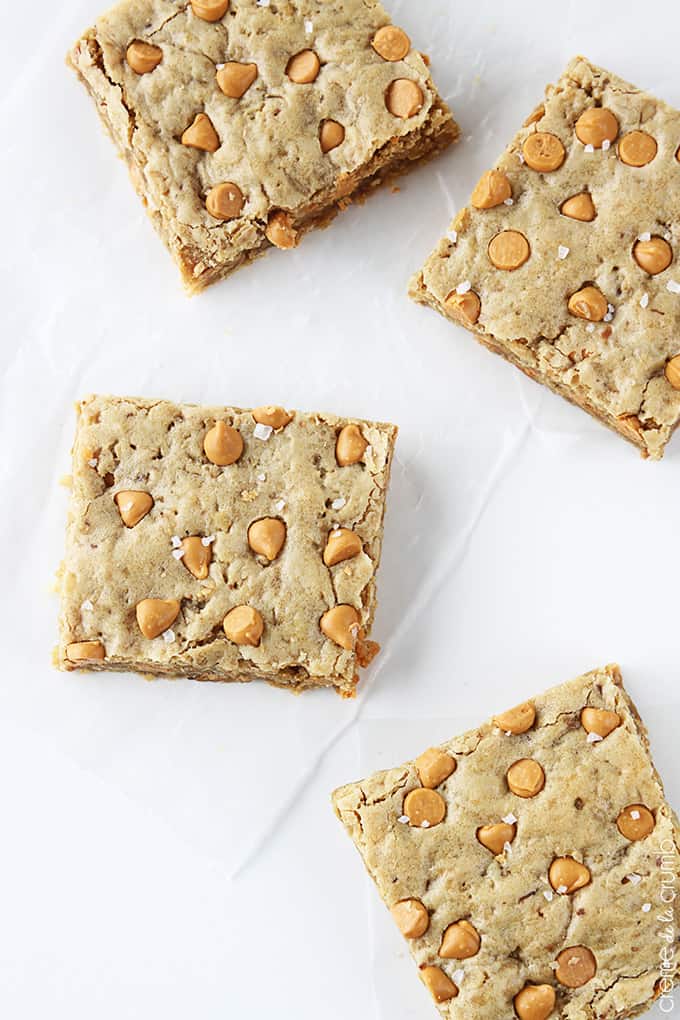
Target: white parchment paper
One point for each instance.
(168, 849)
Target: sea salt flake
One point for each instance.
(644, 301)
(178, 553)
(548, 895)
(262, 478)
(169, 636)
(606, 145)
(673, 286)
(280, 505)
(464, 287)
(510, 819)
(208, 540)
(458, 976)
(263, 432)
(590, 148)
(561, 889)
(520, 157)
(635, 815)
(507, 848)
(646, 907)
(263, 3)
(645, 237)
(86, 606)
(425, 824)
(634, 879)
(608, 317)
(509, 201)
(453, 236)
(590, 328)
(93, 462)
(309, 27)
(338, 503)
(563, 251)
(594, 738)
(404, 819)
(176, 541)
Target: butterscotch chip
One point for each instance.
(637, 149)
(155, 616)
(350, 446)
(404, 98)
(493, 188)
(201, 134)
(412, 918)
(304, 67)
(197, 556)
(280, 230)
(525, 778)
(210, 10)
(535, 116)
(434, 767)
(509, 250)
(235, 79)
(567, 875)
(82, 651)
(331, 135)
(580, 207)
(223, 445)
(225, 201)
(588, 303)
(635, 822)
(461, 941)
(599, 721)
(143, 57)
(276, 417)
(342, 544)
(341, 624)
(439, 984)
(267, 537)
(672, 372)
(243, 625)
(466, 308)
(516, 720)
(391, 43)
(494, 837)
(424, 808)
(576, 966)
(535, 1002)
(133, 506)
(654, 256)
(543, 152)
(596, 126)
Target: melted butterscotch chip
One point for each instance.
(588, 303)
(535, 1002)
(197, 556)
(460, 941)
(516, 720)
(223, 445)
(404, 98)
(411, 917)
(341, 545)
(566, 875)
(509, 250)
(281, 231)
(350, 446)
(84, 651)
(331, 135)
(439, 984)
(201, 134)
(143, 57)
(597, 126)
(243, 625)
(635, 822)
(155, 616)
(133, 506)
(599, 721)
(672, 372)
(535, 116)
(304, 67)
(576, 966)
(495, 837)
(654, 256)
(493, 189)
(210, 10)
(525, 778)
(391, 43)
(235, 79)
(543, 152)
(267, 537)
(637, 149)
(434, 767)
(466, 308)
(342, 625)
(225, 201)
(424, 808)
(579, 207)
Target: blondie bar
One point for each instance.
(223, 544)
(247, 123)
(566, 260)
(533, 863)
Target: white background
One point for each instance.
(168, 850)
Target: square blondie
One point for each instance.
(246, 123)
(223, 544)
(531, 863)
(566, 261)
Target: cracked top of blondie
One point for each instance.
(567, 259)
(526, 861)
